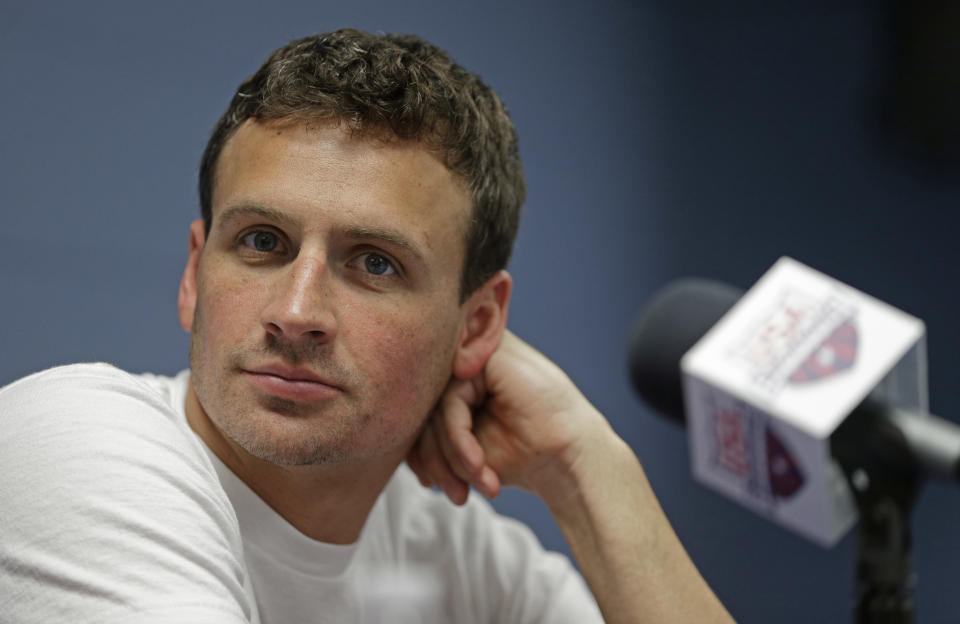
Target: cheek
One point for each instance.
(223, 305)
(412, 358)
(217, 326)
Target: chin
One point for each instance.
(303, 439)
(291, 449)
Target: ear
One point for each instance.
(485, 318)
(187, 296)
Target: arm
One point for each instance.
(522, 422)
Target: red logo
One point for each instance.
(836, 353)
(744, 440)
(734, 447)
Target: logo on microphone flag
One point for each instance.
(836, 353)
(749, 450)
(799, 339)
(783, 471)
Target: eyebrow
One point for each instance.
(387, 235)
(241, 211)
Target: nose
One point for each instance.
(301, 305)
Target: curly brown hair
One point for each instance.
(410, 88)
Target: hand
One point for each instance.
(521, 422)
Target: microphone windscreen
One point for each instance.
(673, 320)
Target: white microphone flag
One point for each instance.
(769, 383)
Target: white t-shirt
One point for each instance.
(112, 509)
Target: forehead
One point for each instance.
(326, 170)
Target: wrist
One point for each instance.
(594, 457)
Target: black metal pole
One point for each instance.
(885, 492)
(885, 578)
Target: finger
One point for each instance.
(489, 482)
(454, 434)
(438, 470)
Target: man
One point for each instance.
(347, 301)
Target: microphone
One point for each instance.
(750, 436)
(672, 321)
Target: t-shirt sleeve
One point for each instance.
(109, 509)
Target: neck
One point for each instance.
(328, 502)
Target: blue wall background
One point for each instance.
(660, 139)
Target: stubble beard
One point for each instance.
(276, 430)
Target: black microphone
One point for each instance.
(678, 315)
(671, 322)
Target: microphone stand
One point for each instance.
(885, 493)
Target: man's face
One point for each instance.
(325, 313)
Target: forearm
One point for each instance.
(623, 543)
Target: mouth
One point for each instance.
(296, 384)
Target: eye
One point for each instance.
(261, 240)
(377, 264)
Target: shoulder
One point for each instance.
(106, 490)
(93, 429)
(86, 423)
(93, 413)
(88, 399)
(77, 387)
